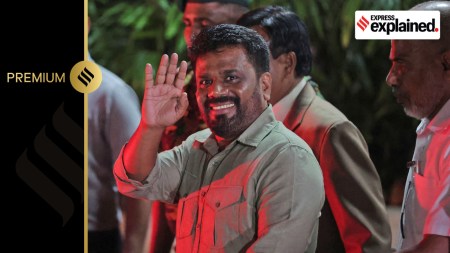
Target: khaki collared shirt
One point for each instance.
(262, 193)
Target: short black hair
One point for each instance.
(287, 32)
(230, 35)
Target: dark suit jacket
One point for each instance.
(354, 217)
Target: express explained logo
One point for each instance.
(397, 25)
(363, 23)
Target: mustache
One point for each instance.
(208, 102)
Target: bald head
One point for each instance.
(444, 8)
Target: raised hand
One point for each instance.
(164, 101)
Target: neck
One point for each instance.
(438, 108)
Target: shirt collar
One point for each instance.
(440, 122)
(282, 107)
(252, 136)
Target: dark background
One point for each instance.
(42, 162)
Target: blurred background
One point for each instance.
(125, 35)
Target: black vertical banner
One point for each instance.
(42, 126)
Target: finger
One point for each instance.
(172, 70)
(148, 78)
(181, 76)
(182, 105)
(148, 75)
(162, 69)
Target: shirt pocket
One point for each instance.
(187, 215)
(425, 189)
(221, 217)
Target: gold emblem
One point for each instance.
(85, 76)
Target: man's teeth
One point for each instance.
(222, 106)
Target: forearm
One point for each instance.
(140, 154)
(136, 214)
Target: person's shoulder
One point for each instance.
(283, 144)
(323, 118)
(325, 112)
(113, 85)
(285, 137)
(107, 75)
(110, 78)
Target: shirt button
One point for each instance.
(217, 204)
(198, 226)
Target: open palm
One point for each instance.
(164, 101)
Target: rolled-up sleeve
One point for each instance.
(162, 182)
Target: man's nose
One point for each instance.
(391, 78)
(217, 89)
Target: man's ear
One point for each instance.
(288, 61)
(291, 62)
(266, 85)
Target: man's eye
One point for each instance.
(230, 78)
(205, 83)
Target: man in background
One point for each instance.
(420, 81)
(116, 223)
(354, 217)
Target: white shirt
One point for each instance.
(282, 107)
(426, 205)
(114, 114)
